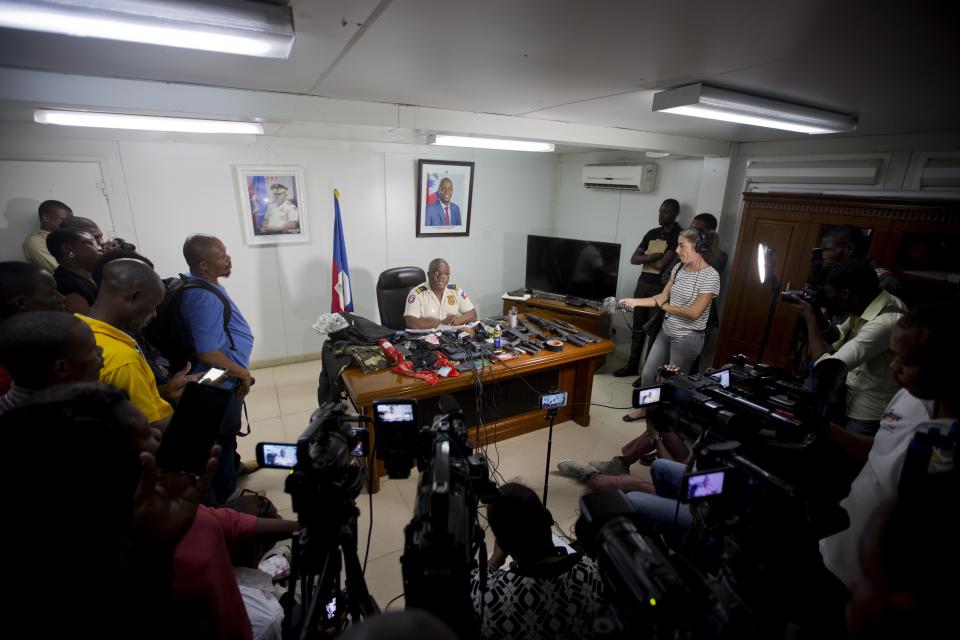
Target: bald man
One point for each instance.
(128, 298)
(437, 302)
(227, 347)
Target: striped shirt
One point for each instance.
(14, 398)
(687, 287)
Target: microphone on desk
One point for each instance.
(610, 304)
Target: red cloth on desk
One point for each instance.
(205, 598)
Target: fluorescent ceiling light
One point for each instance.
(489, 143)
(703, 101)
(656, 154)
(236, 26)
(143, 123)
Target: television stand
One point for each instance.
(586, 317)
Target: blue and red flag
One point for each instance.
(257, 191)
(342, 298)
(433, 193)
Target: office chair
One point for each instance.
(393, 286)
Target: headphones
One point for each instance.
(701, 246)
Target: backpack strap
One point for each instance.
(199, 283)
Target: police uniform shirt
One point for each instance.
(280, 214)
(423, 303)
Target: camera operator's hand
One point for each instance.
(245, 382)
(164, 505)
(668, 370)
(800, 306)
(174, 387)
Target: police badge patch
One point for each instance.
(451, 299)
(411, 299)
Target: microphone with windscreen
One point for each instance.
(610, 304)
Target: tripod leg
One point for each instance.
(546, 473)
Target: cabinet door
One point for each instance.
(745, 314)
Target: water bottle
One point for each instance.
(513, 317)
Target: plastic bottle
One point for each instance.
(496, 337)
(513, 317)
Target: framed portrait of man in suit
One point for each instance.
(444, 197)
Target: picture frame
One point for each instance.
(273, 207)
(433, 218)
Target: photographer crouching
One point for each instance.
(861, 342)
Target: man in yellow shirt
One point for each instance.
(129, 294)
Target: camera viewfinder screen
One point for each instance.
(395, 412)
(643, 397)
(553, 400)
(723, 377)
(704, 485)
(280, 454)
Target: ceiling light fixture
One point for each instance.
(656, 154)
(702, 101)
(490, 143)
(143, 123)
(238, 26)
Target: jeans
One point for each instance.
(659, 512)
(666, 349)
(648, 285)
(225, 477)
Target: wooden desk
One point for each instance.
(514, 387)
(587, 318)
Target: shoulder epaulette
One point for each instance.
(451, 286)
(421, 289)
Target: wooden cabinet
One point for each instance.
(918, 240)
(587, 318)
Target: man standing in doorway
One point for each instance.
(218, 346)
(52, 213)
(443, 213)
(655, 252)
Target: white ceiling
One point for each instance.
(896, 65)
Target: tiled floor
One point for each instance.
(280, 405)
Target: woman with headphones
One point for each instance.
(685, 302)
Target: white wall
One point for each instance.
(163, 187)
(623, 217)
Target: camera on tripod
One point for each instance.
(444, 535)
(323, 484)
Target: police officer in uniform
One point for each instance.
(282, 215)
(437, 302)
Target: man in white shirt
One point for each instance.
(282, 215)
(926, 348)
(861, 342)
(437, 302)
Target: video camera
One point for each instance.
(323, 485)
(650, 592)
(444, 535)
(767, 485)
(812, 290)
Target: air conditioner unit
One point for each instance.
(624, 177)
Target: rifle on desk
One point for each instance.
(570, 335)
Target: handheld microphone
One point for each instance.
(610, 304)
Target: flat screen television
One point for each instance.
(575, 268)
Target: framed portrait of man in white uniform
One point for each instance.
(272, 204)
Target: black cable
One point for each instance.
(373, 469)
(392, 601)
